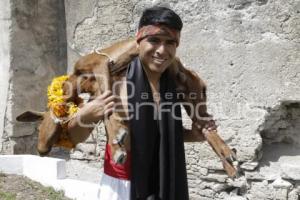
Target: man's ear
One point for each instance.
(30, 116)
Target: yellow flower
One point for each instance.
(72, 109)
(56, 101)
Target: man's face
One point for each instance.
(157, 52)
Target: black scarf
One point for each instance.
(158, 160)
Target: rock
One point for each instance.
(207, 193)
(87, 148)
(77, 155)
(239, 182)
(217, 187)
(249, 166)
(293, 195)
(290, 171)
(282, 184)
(281, 194)
(261, 190)
(254, 175)
(235, 198)
(215, 177)
(203, 171)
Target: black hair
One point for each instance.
(160, 15)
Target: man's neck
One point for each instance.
(153, 79)
(152, 76)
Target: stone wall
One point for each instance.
(247, 51)
(37, 49)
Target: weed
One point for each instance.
(52, 194)
(7, 196)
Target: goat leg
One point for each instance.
(190, 83)
(226, 155)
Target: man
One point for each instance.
(155, 168)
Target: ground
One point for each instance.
(14, 187)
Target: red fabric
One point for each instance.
(116, 170)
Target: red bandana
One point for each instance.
(152, 30)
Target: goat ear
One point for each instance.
(30, 116)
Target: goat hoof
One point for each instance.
(230, 159)
(120, 157)
(120, 137)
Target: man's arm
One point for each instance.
(81, 126)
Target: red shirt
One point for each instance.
(116, 170)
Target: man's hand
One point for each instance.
(97, 109)
(80, 127)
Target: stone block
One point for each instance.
(203, 171)
(249, 166)
(282, 184)
(215, 177)
(11, 164)
(240, 182)
(207, 193)
(80, 190)
(44, 169)
(217, 187)
(235, 198)
(261, 190)
(87, 148)
(281, 194)
(293, 195)
(290, 170)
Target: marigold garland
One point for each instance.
(56, 101)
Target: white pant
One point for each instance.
(114, 189)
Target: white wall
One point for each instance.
(5, 23)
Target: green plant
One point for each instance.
(47, 191)
(7, 196)
(52, 194)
